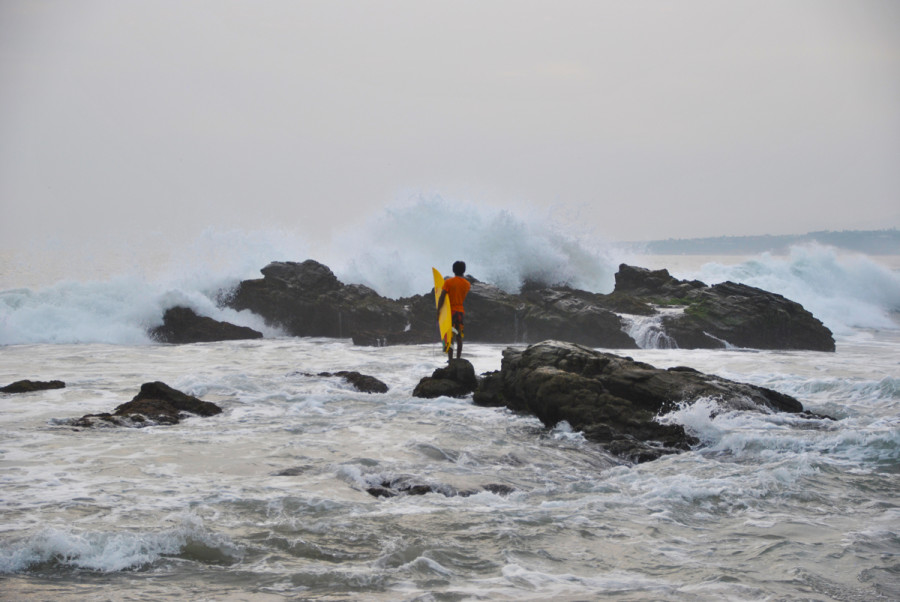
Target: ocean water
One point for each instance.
(268, 501)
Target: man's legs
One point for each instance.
(458, 325)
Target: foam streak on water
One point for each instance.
(268, 499)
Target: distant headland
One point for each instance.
(870, 242)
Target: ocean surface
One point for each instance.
(268, 501)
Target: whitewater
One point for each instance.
(268, 501)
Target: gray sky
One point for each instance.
(642, 119)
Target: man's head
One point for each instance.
(459, 268)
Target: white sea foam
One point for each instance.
(107, 551)
(392, 252)
(844, 291)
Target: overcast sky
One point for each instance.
(644, 119)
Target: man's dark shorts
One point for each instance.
(458, 319)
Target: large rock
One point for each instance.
(614, 400)
(457, 379)
(182, 325)
(307, 299)
(156, 403)
(725, 314)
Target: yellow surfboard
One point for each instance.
(444, 321)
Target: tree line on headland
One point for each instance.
(871, 242)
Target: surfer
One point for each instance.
(456, 289)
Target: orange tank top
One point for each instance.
(457, 288)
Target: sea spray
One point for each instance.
(844, 291)
(121, 306)
(393, 251)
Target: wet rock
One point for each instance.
(306, 299)
(614, 400)
(362, 382)
(28, 386)
(182, 325)
(156, 403)
(457, 379)
(727, 313)
(292, 472)
(406, 485)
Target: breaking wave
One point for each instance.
(393, 253)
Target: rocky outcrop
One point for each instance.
(29, 386)
(457, 379)
(307, 299)
(614, 400)
(156, 403)
(182, 325)
(725, 314)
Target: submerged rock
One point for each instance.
(156, 403)
(614, 400)
(362, 382)
(457, 379)
(405, 485)
(28, 386)
(182, 325)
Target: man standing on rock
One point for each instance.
(456, 289)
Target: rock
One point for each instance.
(28, 386)
(182, 325)
(362, 382)
(614, 400)
(726, 313)
(156, 403)
(306, 299)
(407, 485)
(457, 379)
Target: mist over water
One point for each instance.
(114, 295)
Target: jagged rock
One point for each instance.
(307, 299)
(156, 403)
(614, 400)
(182, 325)
(28, 386)
(736, 314)
(457, 379)
(362, 382)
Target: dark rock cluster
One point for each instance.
(307, 299)
(738, 314)
(614, 400)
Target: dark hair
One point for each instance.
(459, 268)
